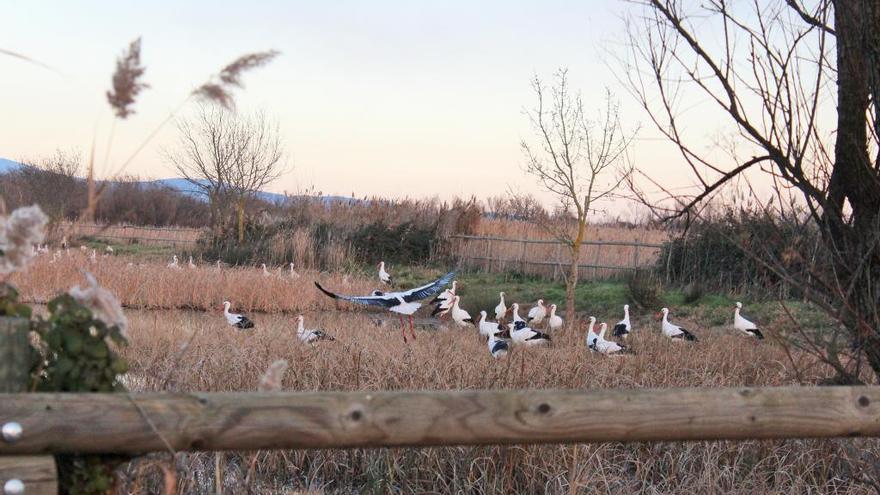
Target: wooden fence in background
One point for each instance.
(550, 258)
(180, 237)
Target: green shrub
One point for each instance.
(644, 290)
(719, 253)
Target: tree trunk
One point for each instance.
(852, 237)
(241, 220)
(571, 283)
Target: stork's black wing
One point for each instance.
(427, 290)
(385, 300)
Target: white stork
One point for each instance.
(236, 320)
(623, 327)
(402, 302)
(555, 321)
(745, 326)
(501, 309)
(309, 336)
(537, 313)
(675, 332)
(384, 276)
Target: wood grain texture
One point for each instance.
(111, 423)
(36, 472)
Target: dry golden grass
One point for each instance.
(154, 285)
(366, 357)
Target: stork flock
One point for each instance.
(509, 328)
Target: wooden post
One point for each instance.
(556, 261)
(522, 257)
(596, 262)
(35, 473)
(488, 264)
(635, 256)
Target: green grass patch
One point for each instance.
(147, 251)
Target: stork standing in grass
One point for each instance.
(745, 326)
(555, 321)
(384, 276)
(522, 334)
(461, 317)
(591, 336)
(498, 347)
(607, 347)
(236, 320)
(673, 331)
(537, 313)
(514, 309)
(266, 272)
(309, 336)
(402, 302)
(293, 273)
(501, 309)
(173, 263)
(486, 327)
(623, 327)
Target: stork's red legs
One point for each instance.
(412, 331)
(402, 328)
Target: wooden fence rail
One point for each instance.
(552, 241)
(138, 423)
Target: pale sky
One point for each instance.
(373, 98)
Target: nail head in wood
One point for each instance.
(11, 432)
(13, 487)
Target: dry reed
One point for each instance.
(152, 285)
(366, 357)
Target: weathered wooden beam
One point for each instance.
(35, 473)
(119, 423)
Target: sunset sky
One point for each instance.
(373, 98)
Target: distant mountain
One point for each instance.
(7, 166)
(186, 187)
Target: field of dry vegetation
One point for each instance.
(153, 285)
(173, 348)
(367, 357)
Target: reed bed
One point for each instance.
(152, 285)
(367, 357)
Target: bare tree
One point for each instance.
(259, 162)
(52, 182)
(578, 159)
(228, 158)
(787, 78)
